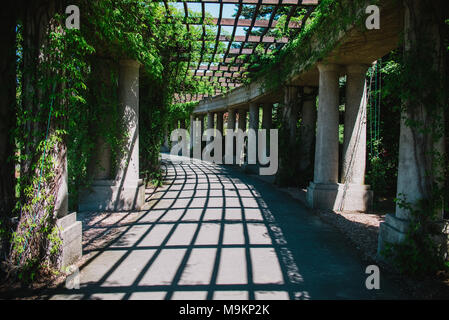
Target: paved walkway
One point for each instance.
(215, 233)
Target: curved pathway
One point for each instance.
(212, 232)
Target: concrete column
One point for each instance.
(322, 192)
(307, 132)
(220, 122)
(192, 130)
(126, 191)
(201, 120)
(326, 148)
(354, 145)
(231, 119)
(210, 120)
(291, 111)
(129, 105)
(101, 160)
(62, 198)
(242, 120)
(100, 163)
(166, 145)
(267, 117)
(253, 116)
(418, 172)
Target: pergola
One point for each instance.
(235, 60)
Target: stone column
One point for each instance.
(210, 120)
(291, 114)
(166, 145)
(322, 192)
(307, 132)
(129, 197)
(192, 132)
(126, 191)
(418, 172)
(267, 116)
(201, 120)
(358, 197)
(253, 116)
(231, 119)
(242, 120)
(220, 122)
(354, 145)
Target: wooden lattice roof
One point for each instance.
(229, 71)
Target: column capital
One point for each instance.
(130, 63)
(328, 67)
(357, 68)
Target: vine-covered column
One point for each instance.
(307, 132)
(192, 132)
(267, 116)
(254, 116)
(219, 126)
(242, 119)
(288, 150)
(210, 120)
(231, 120)
(128, 174)
(417, 222)
(126, 191)
(201, 123)
(322, 192)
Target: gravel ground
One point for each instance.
(362, 230)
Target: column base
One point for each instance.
(339, 197)
(392, 230)
(71, 236)
(105, 195)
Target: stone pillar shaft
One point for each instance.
(210, 120)
(253, 116)
(192, 130)
(291, 111)
(231, 119)
(354, 145)
(326, 148)
(129, 104)
(201, 120)
(267, 116)
(126, 191)
(242, 119)
(220, 122)
(307, 129)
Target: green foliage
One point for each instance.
(383, 123)
(421, 253)
(319, 36)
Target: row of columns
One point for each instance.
(327, 190)
(319, 130)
